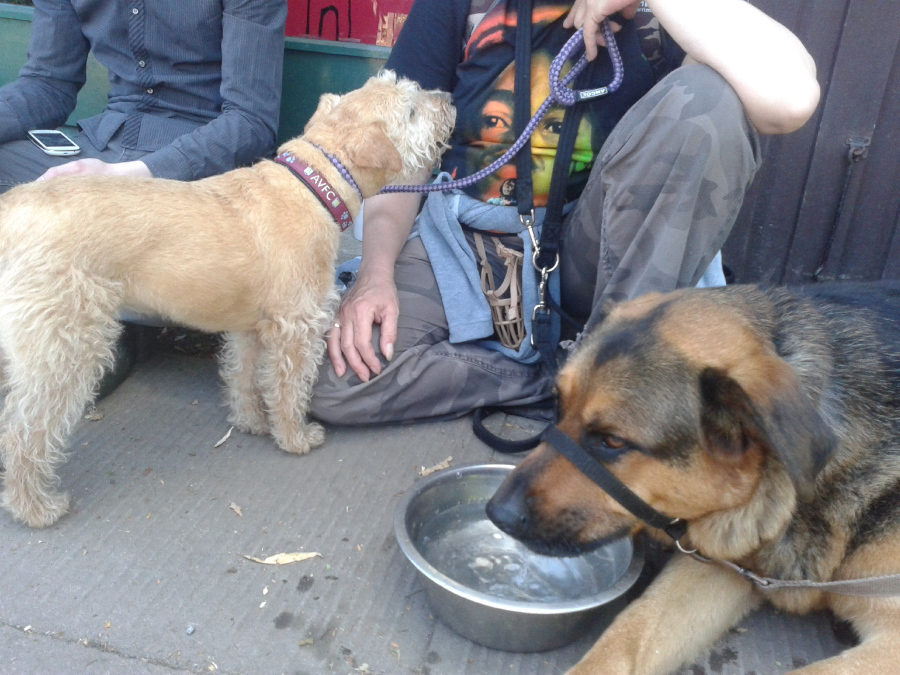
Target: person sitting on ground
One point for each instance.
(657, 176)
(195, 90)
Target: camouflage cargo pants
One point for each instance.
(660, 202)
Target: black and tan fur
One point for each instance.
(770, 420)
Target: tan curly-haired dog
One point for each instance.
(249, 253)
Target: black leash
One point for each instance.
(545, 257)
(543, 337)
(546, 252)
(522, 109)
(504, 445)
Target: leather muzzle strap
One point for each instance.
(593, 469)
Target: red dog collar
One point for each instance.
(320, 187)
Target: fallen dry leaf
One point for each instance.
(437, 467)
(284, 558)
(224, 438)
(93, 414)
(237, 509)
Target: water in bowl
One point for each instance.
(463, 544)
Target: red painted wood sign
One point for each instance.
(374, 22)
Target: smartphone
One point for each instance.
(54, 142)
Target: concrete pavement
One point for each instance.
(148, 576)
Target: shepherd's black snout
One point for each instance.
(508, 509)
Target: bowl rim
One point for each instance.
(428, 570)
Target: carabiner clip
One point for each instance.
(527, 221)
(545, 271)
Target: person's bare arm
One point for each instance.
(764, 62)
(97, 167)
(389, 219)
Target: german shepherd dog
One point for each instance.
(769, 421)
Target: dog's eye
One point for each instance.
(613, 443)
(605, 446)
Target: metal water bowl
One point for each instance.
(487, 586)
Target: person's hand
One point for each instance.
(371, 300)
(589, 14)
(96, 167)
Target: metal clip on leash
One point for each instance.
(543, 306)
(559, 93)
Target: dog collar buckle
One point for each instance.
(320, 187)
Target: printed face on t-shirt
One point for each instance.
(486, 104)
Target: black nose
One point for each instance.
(508, 509)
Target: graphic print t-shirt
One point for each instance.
(468, 47)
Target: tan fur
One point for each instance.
(768, 421)
(676, 619)
(249, 253)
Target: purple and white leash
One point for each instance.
(559, 93)
(341, 169)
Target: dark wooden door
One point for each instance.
(826, 204)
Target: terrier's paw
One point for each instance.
(311, 436)
(40, 510)
(315, 433)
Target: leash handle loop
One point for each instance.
(506, 446)
(559, 93)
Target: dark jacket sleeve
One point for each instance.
(429, 47)
(46, 90)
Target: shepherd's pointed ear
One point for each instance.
(729, 422)
(778, 416)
